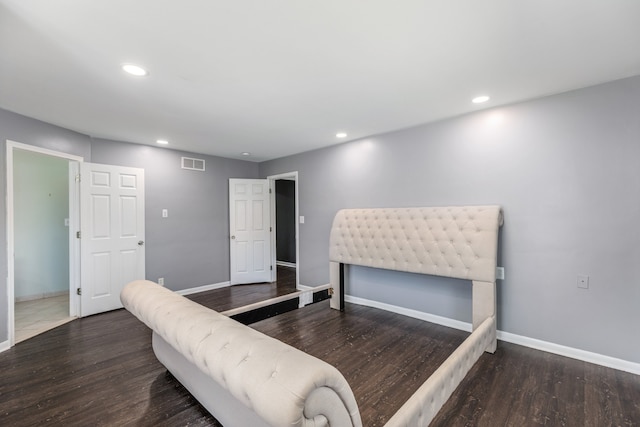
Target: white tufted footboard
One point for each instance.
(425, 403)
(240, 375)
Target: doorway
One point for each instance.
(284, 220)
(38, 240)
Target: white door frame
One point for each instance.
(73, 246)
(293, 176)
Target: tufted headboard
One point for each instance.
(459, 242)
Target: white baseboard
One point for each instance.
(287, 264)
(41, 296)
(439, 320)
(4, 346)
(574, 353)
(203, 288)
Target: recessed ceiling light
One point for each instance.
(245, 153)
(341, 135)
(135, 70)
(480, 99)
(162, 142)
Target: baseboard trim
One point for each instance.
(203, 288)
(41, 296)
(439, 320)
(573, 353)
(4, 346)
(561, 350)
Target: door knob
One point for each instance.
(140, 242)
(233, 237)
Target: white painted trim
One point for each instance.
(46, 151)
(43, 295)
(272, 179)
(10, 146)
(74, 242)
(306, 295)
(287, 264)
(4, 346)
(574, 353)
(203, 288)
(439, 320)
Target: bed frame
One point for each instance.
(244, 377)
(458, 242)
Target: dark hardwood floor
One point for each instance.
(240, 295)
(386, 357)
(101, 371)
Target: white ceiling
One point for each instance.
(277, 77)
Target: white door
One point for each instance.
(250, 231)
(112, 249)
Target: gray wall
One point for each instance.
(190, 248)
(564, 168)
(28, 131)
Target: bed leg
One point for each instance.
(484, 306)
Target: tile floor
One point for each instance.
(37, 316)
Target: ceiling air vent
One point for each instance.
(193, 164)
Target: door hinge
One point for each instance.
(79, 291)
(78, 234)
(78, 178)
(271, 267)
(270, 229)
(269, 190)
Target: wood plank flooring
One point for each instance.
(240, 295)
(386, 357)
(101, 371)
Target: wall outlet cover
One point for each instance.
(583, 282)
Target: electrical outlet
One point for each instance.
(165, 213)
(301, 219)
(583, 282)
(161, 281)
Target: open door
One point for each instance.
(250, 231)
(111, 234)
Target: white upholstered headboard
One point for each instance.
(459, 242)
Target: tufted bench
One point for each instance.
(243, 377)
